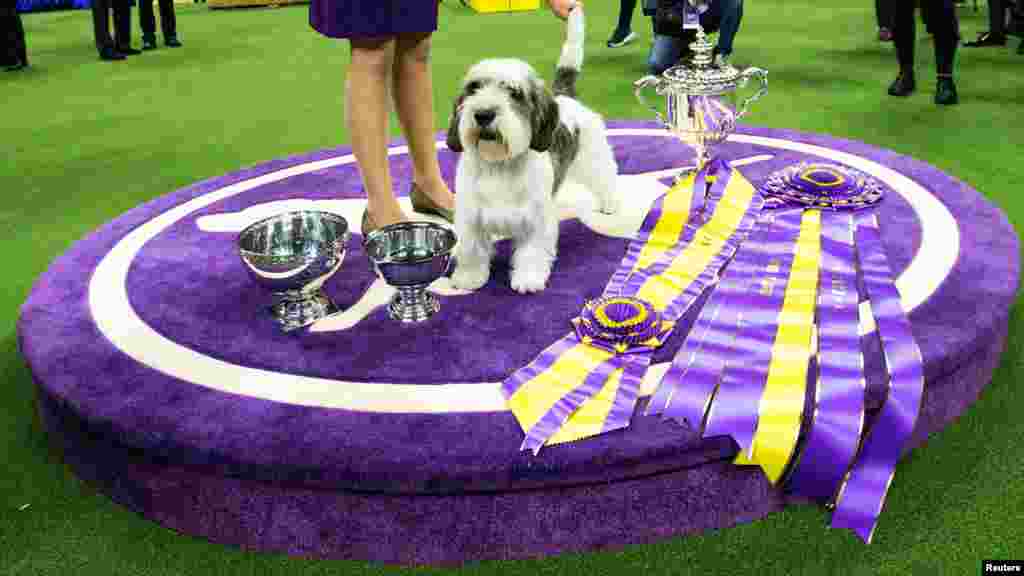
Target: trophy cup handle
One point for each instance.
(763, 75)
(646, 82)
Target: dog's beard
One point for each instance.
(491, 146)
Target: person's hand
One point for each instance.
(561, 8)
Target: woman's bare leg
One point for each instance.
(414, 103)
(367, 91)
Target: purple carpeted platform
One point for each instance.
(430, 486)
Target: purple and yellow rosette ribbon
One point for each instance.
(822, 186)
(722, 381)
(621, 324)
(588, 382)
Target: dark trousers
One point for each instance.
(147, 20)
(101, 24)
(997, 17)
(626, 9)
(941, 21)
(883, 13)
(12, 34)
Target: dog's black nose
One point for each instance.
(484, 117)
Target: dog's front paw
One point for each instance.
(528, 280)
(469, 277)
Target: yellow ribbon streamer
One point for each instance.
(533, 399)
(781, 407)
(589, 419)
(675, 210)
(661, 290)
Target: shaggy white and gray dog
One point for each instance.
(519, 142)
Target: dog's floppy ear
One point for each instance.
(544, 120)
(453, 140)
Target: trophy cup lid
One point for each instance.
(703, 77)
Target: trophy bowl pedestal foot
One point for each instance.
(293, 313)
(413, 304)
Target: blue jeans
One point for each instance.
(667, 50)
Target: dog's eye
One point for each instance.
(516, 93)
(472, 87)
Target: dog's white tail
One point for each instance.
(570, 62)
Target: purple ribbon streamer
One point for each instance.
(861, 499)
(767, 258)
(838, 417)
(699, 362)
(629, 390)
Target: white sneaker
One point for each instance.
(616, 40)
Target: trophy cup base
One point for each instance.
(412, 305)
(293, 313)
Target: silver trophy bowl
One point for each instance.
(291, 255)
(701, 101)
(409, 256)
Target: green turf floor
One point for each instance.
(83, 141)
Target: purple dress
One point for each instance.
(367, 18)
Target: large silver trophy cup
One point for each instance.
(409, 256)
(291, 255)
(701, 98)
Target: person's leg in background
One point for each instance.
(996, 34)
(732, 16)
(7, 57)
(623, 33)
(903, 35)
(169, 23)
(1017, 23)
(123, 28)
(12, 35)
(20, 48)
(101, 30)
(942, 16)
(147, 22)
(665, 53)
(883, 15)
(925, 7)
(946, 28)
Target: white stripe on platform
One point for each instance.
(117, 320)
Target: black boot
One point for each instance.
(945, 91)
(148, 43)
(108, 53)
(903, 85)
